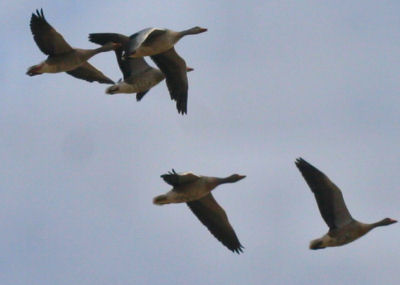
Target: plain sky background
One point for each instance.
(273, 80)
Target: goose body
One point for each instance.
(152, 41)
(61, 56)
(138, 76)
(159, 45)
(140, 85)
(195, 191)
(343, 228)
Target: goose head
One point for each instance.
(191, 31)
(386, 222)
(317, 244)
(120, 87)
(234, 178)
(112, 90)
(237, 177)
(35, 70)
(197, 30)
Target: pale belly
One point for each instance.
(143, 83)
(341, 239)
(191, 193)
(152, 50)
(61, 64)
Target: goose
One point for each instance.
(159, 45)
(152, 41)
(61, 56)
(138, 76)
(343, 228)
(195, 191)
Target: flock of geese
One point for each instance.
(139, 77)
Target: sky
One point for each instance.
(273, 81)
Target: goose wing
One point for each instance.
(329, 197)
(48, 40)
(147, 35)
(130, 67)
(88, 72)
(177, 179)
(215, 219)
(174, 68)
(140, 95)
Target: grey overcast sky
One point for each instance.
(273, 80)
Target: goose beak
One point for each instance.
(202, 30)
(393, 221)
(188, 69)
(242, 176)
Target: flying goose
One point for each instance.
(195, 191)
(159, 45)
(152, 41)
(138, 76)
(61, 56)
(343, 228)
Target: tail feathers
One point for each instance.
(160, 200)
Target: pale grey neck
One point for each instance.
(104, 48)
(190, 31)
(377, 224)
(225, 180)
(88, 53)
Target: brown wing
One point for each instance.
(137, 39)
(329, 197)
(140, 95)
(88, 72)
(174, 69)
(215, 219)
(153, 36)
(48, 40)
(130, 67)
(177, 179)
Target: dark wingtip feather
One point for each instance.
(97, 38)
(238, 249)
(304, 165)
(182, 109)
(299, 161)
(37, 20)
(169, 173)
(39, 14)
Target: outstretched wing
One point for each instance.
(174, 68)
(88, 72)
(48, 40)
(143, 37)
(215, 219)
(329, 197)
(130, 67)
